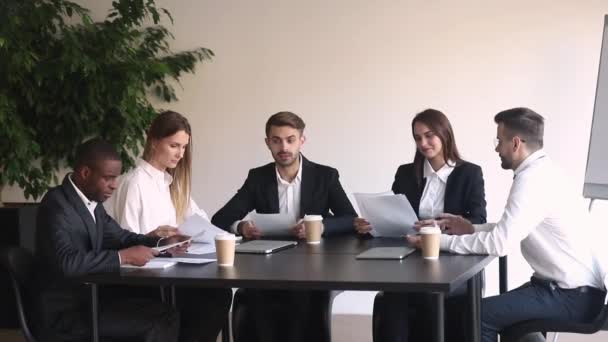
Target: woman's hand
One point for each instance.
(361, 225)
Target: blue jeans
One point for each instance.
(538, 299)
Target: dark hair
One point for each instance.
(525, 123)
(285, 119)
(440, 125)
(92, 151)
(165, 125)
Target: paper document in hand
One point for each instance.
(164, 248)
(200, 229)
(389, 215)
(273, 224)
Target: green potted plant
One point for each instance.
(65, 78)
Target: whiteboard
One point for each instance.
(596, 175)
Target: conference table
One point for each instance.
(330, 265)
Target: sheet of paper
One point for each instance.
(200, 229)
(153, 264)
(389, 215)
(201, 248)
(164, 248)
(193, 260)
(273, 224)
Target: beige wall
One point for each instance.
(357, 71)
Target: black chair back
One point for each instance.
(19, 263)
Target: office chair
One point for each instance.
(243, 329)
(19, 263)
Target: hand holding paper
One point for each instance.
(273, 224)
(389, 215)
(200, 229)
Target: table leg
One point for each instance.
(94, 313)
(438, 317)
(474, 299)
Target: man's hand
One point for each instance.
(414, 240)
(163, 232)
(249, 230)
(455, 225)
(299, 230)
(137, 255)
(362, 226)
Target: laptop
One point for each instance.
(396, 253)
(264, 246)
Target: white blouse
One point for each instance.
(142, 201)
(433, 195)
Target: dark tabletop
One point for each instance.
(330, 265)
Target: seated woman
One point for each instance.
(437, 182)
(154, 198)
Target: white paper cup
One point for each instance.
(224, 249)
(313, 225)
(430, 237)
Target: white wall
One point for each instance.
(357, 71)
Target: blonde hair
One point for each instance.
(164, 125)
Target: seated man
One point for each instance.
(76, 237)
(295, 186)
(546, 218)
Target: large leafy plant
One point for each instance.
(65, 78)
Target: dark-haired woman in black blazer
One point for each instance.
(438, 181)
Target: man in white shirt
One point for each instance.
(546, 219)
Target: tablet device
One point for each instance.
(264, 246)
(397, 253)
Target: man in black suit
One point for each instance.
(76, 237)
(295, 186)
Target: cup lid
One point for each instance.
(225, 236)
(430, 230)
(313, 218)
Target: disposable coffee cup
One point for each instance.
(313, 225)
(224, 249)
(430, 237)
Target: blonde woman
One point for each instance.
(154, 198)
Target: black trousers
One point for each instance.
(282, 315)
(122, 317)
(407, 317)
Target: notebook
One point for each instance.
(264, 246)
(397, 253)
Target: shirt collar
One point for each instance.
(443, 173)
(161, 177)
(298, 176)
(529, 160)
(87, 202)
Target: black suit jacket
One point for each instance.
(69, 244)
(464, 192)
(321, 192)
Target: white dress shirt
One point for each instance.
(142, 201)
(289, 196)
(433, 195)
(546, 218)
(91, 205)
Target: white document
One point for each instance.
(273, 224)
(201, 248)
(164, 248)
(193, 260)
(390, 215)
(200, 229)
(153, 264)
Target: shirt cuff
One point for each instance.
(445, 242)
(235, 227)
(484, 227)
(119, 259)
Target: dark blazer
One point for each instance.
(321, 192)
(464, 192)
(70, 244)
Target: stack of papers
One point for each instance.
(160, 263)
(390, 215)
